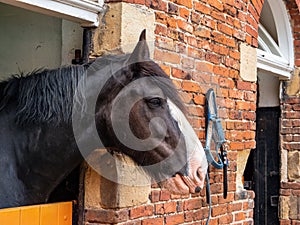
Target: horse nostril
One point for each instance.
(197, 189)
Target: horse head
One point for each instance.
(139, 113)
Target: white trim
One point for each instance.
(284, 30)
(274, 64)
(82, 11)
(281, 65)
(269, 42)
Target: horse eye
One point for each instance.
(154, 102)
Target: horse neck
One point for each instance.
(52, 155)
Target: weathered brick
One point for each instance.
(141, 211)
(225, 219)
(219, 210)
(165, 56)
(190, 86)
(201, 7)
(187, 3)
(153, 221)
(155, 196)
(239, 216)
(165, 195)
(192, 204)
(106, 216)
(174, 219)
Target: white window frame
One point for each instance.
(281, 64)
(84, 12)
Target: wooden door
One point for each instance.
(266, 166)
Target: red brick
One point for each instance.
(153, 221)
(157, 4)
(192, 204)
(173, 9)
(249, 144)
(165, 195)
(225, 82)
(203, 66)
(224, 28)
(216, 4)
(190, 86)
(187, 63)
(246, 86)
(213, 58)
(233, 207)
(106, 216)
(219, 210)
(221, 70)
(195, 111)
(199, 99)
(141, 211)
(195, 53)
(284, 222)
(199, 6)
(219, 49)
(232, 63)
(165, 56)
(250, 30)
(174, 219)
(170, 207)
(185, 26)
(237, 146)
(202, 31)
(134, 222)
(166, 69)
(184, 13)
(239, 216)
(178, 73)
(160, 30)
(218, 15)
(230, 10)
(155, 195)
(161, 17)
(187, 3)
(171, 22)
(242, 105)
(236, 94)
(223, 39)
(159, 209)
(225, 219)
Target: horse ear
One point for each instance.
(141, 51)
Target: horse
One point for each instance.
(51, 119)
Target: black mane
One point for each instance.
(47, 96)
(43, 96)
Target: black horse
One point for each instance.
(49, 118)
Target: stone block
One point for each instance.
(242, 158)
(248, 66)
(293, 86)
(284, 207)
(119, 30)
(294, 166)
(295, 207)
(115, 181)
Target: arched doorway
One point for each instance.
(275, 63)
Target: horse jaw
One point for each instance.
(197, 162)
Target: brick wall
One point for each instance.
(290, 184)
(197, 43)
(164, 208)
(289, 210)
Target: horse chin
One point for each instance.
(180, 185)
